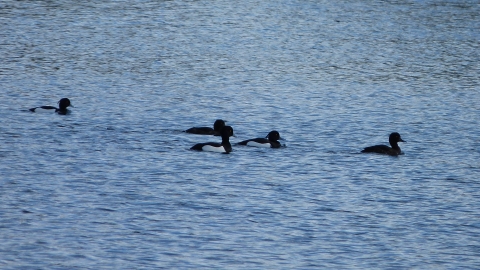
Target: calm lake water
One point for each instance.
(113, 185)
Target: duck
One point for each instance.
(217, 126)
(224, 147)
(270, 141)
(387, 150)
(62, 107)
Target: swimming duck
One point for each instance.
(62, 104)
(387, 150)
(217, 126)
(270, 141)
(225, 147)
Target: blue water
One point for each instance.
(113, 185)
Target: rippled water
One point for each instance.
(113, 185)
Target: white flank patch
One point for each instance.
(40, 110)
(256, 144)
(210, 148)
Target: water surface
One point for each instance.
(113, 185)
